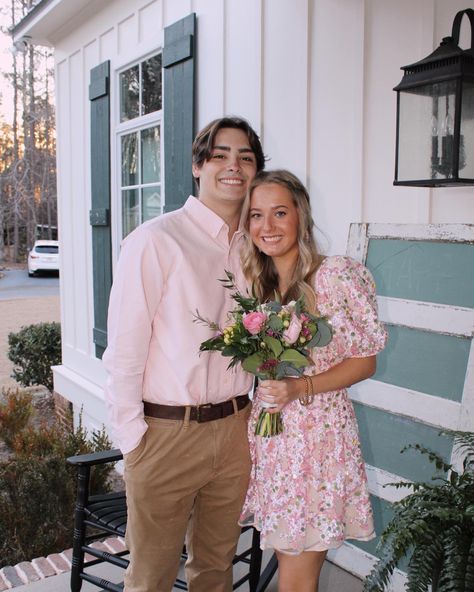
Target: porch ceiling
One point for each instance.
(50, 20)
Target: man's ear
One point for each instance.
(196, 171)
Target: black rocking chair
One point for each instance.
(97, 516)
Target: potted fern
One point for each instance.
(434, 527)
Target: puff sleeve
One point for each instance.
(346, 290)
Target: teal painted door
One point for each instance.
(424, 381)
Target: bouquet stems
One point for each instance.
(269, 424)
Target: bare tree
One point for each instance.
(28, 176)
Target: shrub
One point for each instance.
(15, 414)
(38, 487)
(33, 350)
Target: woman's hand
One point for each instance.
(348, 372)
(278, 393)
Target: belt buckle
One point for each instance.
(198, 411)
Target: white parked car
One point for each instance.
(44, 256)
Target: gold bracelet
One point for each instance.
(308, 396)
(311, 395)
(305, 399)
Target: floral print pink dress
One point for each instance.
(308, 488)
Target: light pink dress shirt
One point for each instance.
(168, 268)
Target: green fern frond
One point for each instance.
(433, 457)
(456, 543)
(434, 525)
(469, 577)
(423, 563)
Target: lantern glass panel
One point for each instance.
(426, 132)
(466, 140)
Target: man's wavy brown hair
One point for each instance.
(204, 141)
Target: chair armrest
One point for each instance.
(95, 458)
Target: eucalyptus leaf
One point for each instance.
(314, 342)
(285, 369)
(294, 357)
(274, 306)
(251, 363)
(275, 323)
(274, 345)
(323, 336)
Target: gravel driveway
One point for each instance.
(17, 313)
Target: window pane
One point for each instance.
(151, 155)
(151, 85)
(129, 160)
(130, 211)
(151, 203)
(129, 94)
(46, 249)
(466, 150)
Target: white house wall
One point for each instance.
(335, 139)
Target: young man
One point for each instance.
(180, 417)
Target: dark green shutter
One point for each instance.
(99, 96)
(178, 110)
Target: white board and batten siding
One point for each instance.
(414, 260)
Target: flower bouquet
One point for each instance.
(270, 340)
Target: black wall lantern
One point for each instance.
(435, 116)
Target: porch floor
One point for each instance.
(333, 579)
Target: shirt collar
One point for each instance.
(213, 224)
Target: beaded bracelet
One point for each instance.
(308, 397)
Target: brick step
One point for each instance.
(27, 572)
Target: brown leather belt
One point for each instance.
(199, 413)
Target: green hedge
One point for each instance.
(33, 350)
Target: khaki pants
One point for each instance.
(186, 478)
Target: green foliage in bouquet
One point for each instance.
(434, 526)
(271, 340)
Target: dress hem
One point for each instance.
(316, 548)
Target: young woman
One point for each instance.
(308, 489)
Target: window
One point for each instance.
(46, 249)
(140, 142)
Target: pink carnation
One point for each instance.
(254, 322)
(292, 332)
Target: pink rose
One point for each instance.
(292, 332)
(254, 322)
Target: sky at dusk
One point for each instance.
(6, 46)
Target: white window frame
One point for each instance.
(130, 126)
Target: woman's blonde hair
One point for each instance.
(259, 269)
